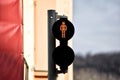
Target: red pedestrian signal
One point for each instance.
(63, 29)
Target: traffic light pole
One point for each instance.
(51, 45)
(52, 70)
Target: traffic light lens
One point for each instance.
(63, 29)
(63, 56)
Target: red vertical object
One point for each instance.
(11, 59)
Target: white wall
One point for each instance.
(28, 35)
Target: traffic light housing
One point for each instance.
(63, 55)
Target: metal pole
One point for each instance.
(51, 45)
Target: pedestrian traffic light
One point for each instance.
(63, 29)
(63, 55)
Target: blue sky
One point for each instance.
(97, 26)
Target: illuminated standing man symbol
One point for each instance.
(63, 29)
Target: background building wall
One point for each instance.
(41, 32)
(41, 37)
(28, 32)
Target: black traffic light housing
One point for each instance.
(63, 55)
